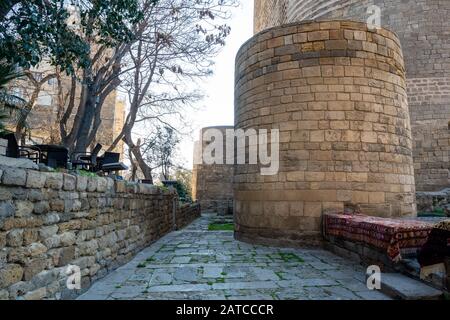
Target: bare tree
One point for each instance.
(36, 82)
(174, 50)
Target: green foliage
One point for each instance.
(85, 173)
(37, 29)
(9, 103)
(183, 192)
(290, 257)
(221, 227)
(438, 212)
(184, 180)
(162, 187)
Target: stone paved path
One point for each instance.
(195, 263)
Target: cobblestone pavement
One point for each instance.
(195, 263)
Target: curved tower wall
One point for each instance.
(337, 93)
(423, 27)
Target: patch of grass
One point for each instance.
(280, 275)
(150, 259)
(118, 286)
(223, 273)
(85, 173)
(221, 227)
(210, 283)
(290, 257)
(439, 212)
(141, 265)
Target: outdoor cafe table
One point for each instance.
(53, 155)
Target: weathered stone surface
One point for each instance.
(4, 295)
(35, 179)
(336, 141)
(400, 286)
(48, 224)
(41, 207)
(63, 256)
(54, 180)
(36, 294)
(213, 184)
(19, 289)
(17, 163)
(10, 274)
(33, 267)
(36, 249)
(51, 218)
(82, 183)
(426, 60)
(14, 177)
(251, 272)
(14, 238)
(92, 184)
(23, 208)
(6, 209)
(30, 236)
(5, 193)
(48, 231)
(102, 184)
(70, 182)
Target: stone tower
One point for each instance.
(336, 90)
(212, 184)
(423, 27)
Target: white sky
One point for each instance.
(218, 106)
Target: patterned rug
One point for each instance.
(396, 237)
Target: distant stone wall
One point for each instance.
(337, 93)
(213, 184)
(50, 220)
(422, 26)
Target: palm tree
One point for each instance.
(8, 101)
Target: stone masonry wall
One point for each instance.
(213, 184)
(50, 220)
(423, 28)
(337, 93)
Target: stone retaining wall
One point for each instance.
(51, 220)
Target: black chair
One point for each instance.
(13, 150)
(87, 160)
(110, 161)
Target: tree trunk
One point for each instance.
(136, 150)
(21, 123)
(82, 134)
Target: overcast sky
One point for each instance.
(217, 108)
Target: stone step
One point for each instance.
(399, 286)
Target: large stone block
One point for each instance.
(10, 274)
(14, 177)
(70, 182)
(54, 180)
(35, 179)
